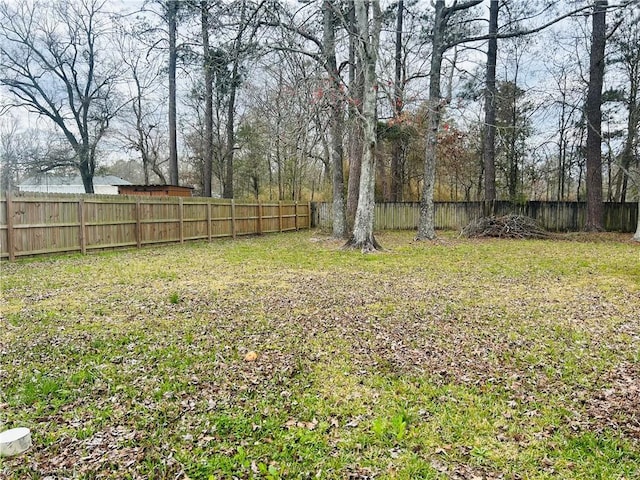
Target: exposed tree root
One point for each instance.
(593, 229)
(370, 245)
(425, 238)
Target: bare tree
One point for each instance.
(398, 101)
(171, 15)
(443, 14)
(627, 57)
(356, 95)
(12, 149)
(337, 116)
(208, 98)
(489, 143)
(566, 98)
(238, 50)
(426, 224)
(143, 129)
(323, 51)
(593, 112)
(53, 65)
(369, 20)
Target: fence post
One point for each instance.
(280, 214)
(10, 231)
(309, 216)
(295, 211)
(259, 217)
(181, 216)
(313, 214)
(393, 215)
(138, 223)
(233, 218)
(82, 234)
(209, 220)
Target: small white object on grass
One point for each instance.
(14, 441)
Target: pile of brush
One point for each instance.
(507, 226)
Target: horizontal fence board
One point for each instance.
(554, 216)
(36, 224)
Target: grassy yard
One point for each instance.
(460, 359)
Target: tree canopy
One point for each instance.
(472, 100)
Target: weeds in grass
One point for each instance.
(455, 359)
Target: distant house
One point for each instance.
(105, 185)
(156, 190)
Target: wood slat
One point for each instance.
(34, 224)
(554, 216)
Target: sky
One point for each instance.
(533, 75)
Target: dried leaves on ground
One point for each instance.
(286, 356)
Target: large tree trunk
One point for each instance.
(208, 108)
(489, 146)
(362, 237)
(426, 223)
(356, 147)
(172, 8)
(337, 175)
(368, 42)
(355, 115)
(397, 150)
(594, 118)
(337, 121)
(85, 166)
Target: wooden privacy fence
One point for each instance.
(34, 224)
(554, 216)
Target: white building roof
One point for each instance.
(107, 185)
(44, 179)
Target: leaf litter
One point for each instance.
(137, 381)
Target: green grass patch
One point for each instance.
(285, 356)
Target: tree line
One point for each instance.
(348, 100)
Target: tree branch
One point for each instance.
(298, 31)
(520, 33)
(460, 6)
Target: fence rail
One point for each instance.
(554, 216)
(34, 224)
